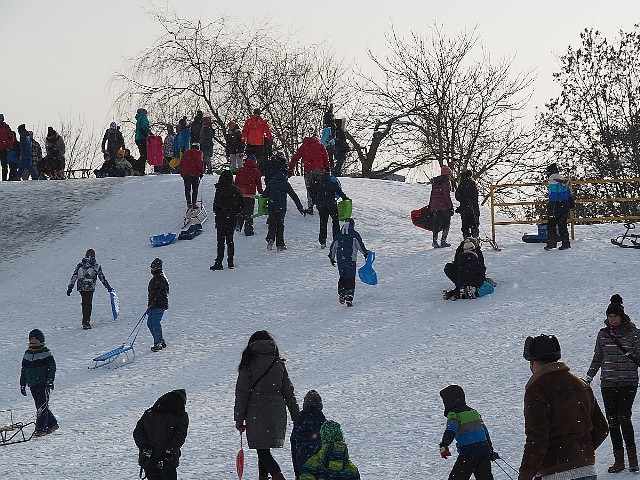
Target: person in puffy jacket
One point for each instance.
(38, 372)
(182, 141)
(263, 395)
(234, 145)
(26, 153)
(315, 161)
(324, 193)
(344, 252)
(85, 276)
(441, 206)
(248, 180)
(558, 208)
(196, 127)
(227, 206)
(469, 209)
(305, 436)
(332, 460)
(167, 148)
(206, 143)
(7, 138)
(158, 302)
(160, 434)
(191, 170)
(257, 137)
(113, 141)
(274, 165)
(276, 191)
(143, 130)
(616, 355)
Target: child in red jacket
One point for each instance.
(248, 180)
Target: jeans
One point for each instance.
(45, 418)
(618, 403)
(154, 317)
(235, 160)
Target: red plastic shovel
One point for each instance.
(240, 460)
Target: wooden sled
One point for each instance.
(14, 432)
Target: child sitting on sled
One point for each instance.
(344, 251)
(467, 272)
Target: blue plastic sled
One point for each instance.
(162, 239)
(366, 272)
(485, 289)
(115, 304)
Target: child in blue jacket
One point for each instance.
(344, 251)
(305, 436)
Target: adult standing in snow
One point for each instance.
(276, 191)
(36, 153)
(182, 140)
(469, 209)
(143, 130)
(340, 149)
(264, 392)
(38, 372)
(617, 355)
(55, 148)
(344, 251)
(248, 180)
(234, 145)
(158, 302)
(167, 148)
(256, 135)
(86, 274)
(563, 421)
(191, 170)
(441, 206)
(196, 126)
(315, 161)
(324, 191)
(227, 205)
(26, 152)
(206, 143)
(160, 434)
(6, 143)
(558, 208)
(112, 141)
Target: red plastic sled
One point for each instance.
(155, 155)
(423, 218)
(240, 460)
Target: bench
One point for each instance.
(84, 173)
(112, 356)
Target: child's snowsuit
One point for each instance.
(344, 251)
(305, 437)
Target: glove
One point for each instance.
(587, 379)
(444, 452)
(494, 456)
(50, 384)
(147, 452)
(69, 291)
(302, 212)
(333, 262)
(23, 390)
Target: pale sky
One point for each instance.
(58, 56)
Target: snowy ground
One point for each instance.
(379, 366)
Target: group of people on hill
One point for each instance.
(21, 154)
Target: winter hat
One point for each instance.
(199, 115)
(452, 397)
(90, 253)
(142, 111)
(257, 111)
(445, 170)
(156, 264)
(22, 129)
(616, 307)
(35, 333)
(552, 168)
(195, 145)
(226, 178)
(331, 431)
(183, 122)
(50, 132)
(542, 348)
(466, 174)
(312, 399)
(468, 245)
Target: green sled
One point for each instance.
(344, 209)
(263, 206)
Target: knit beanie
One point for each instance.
(615, 307)
(312, 399)
(35, 333)
(90, 253)
(469, 245)
(156, 264)
(445, 170)
(330, 431)
(552, 168)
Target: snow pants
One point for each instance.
(142, 148)
(347, 280)
(618, 402)
(26, 164)
(191, 184)
(276, 226)
(166, 473)
(311, 177)
(245, 217)
(479, 467)
(45, 418)
(267, 464)
(87, 306)
(561, 221)
(154, 317)
(324, 214)
(224, 235)
(469, 225)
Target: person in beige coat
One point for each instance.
(264, 392)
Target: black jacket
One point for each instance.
(163, 428)
(470, 270)
(112, 141)
(158, 291)
(467, 195)
(228, 201)
(324, 192)
(233, 142)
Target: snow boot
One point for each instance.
(53, 428)
(282, 248)
(565, 246)
(348, 300)
(308, 211)
(230, 263)
(163, 344)
(435, 244)
(269, 244)
(156, 347)
(323, 245)
(216, 266)
(86, 326)
(618, 464)
(341, 299)
(633, 458)
(444, 244)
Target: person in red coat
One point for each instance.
(6, 143)
(254, 132)
(191, 170)
(248, 180)
(315, 161)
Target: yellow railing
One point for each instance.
(572, 218)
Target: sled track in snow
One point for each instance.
(33, 211)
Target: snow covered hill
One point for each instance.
(379, 365)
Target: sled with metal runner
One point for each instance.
(14, 432)
(628, 240)
(123, 354)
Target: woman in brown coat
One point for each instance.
(263, 395)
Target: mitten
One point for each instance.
(23, 390)
(444, 452)
(69, 291)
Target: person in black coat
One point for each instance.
(467, 271)
(276, 191)
(228, 203)
(276, 163)
(324, 193)
(159, 435)
(112, 141)
(469, 209)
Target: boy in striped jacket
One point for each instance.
(465, 425)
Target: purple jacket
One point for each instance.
(440, 194)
